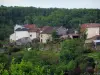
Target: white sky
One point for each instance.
(53, 3)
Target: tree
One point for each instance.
(71, 65)
(24, 68)
(55, 37)
(70, 18)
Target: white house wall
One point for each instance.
(92, 32)
(12, 37)
(38, 35)
(21, 34)
(33, 35)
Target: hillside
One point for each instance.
(70, 18)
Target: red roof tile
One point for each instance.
(47, 30)
(30, 26)
(45, 27)
(35, 30)
(90, 25)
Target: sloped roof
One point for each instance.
(47, 30)
(90, 25)
(22, 29)
(30, 26)
(35, 30)
(44, 27)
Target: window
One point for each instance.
(30, 35)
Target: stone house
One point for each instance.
(92, 30)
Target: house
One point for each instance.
(73, 33)
(61, 30)
(46, 34)
(24, 31)
(92, 30)
(34, 33)
(19, 32)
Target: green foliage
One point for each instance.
(49, 62)
(39, 71)
(1, 68)
(21, 68)
(84, 35)
(5, 72)
(70, 18)
(49, 57)
(61, 67)
(25, 68)
(55, 37)
(32, 56)
(71, 65)
(83, 66)
(72, 54)
(3, 58)
(71, 49)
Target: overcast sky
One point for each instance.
(53, 3)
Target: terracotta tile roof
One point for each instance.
(35, 30)
(90, 25)
(47, 30)
(45, 27)
(30, 26)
